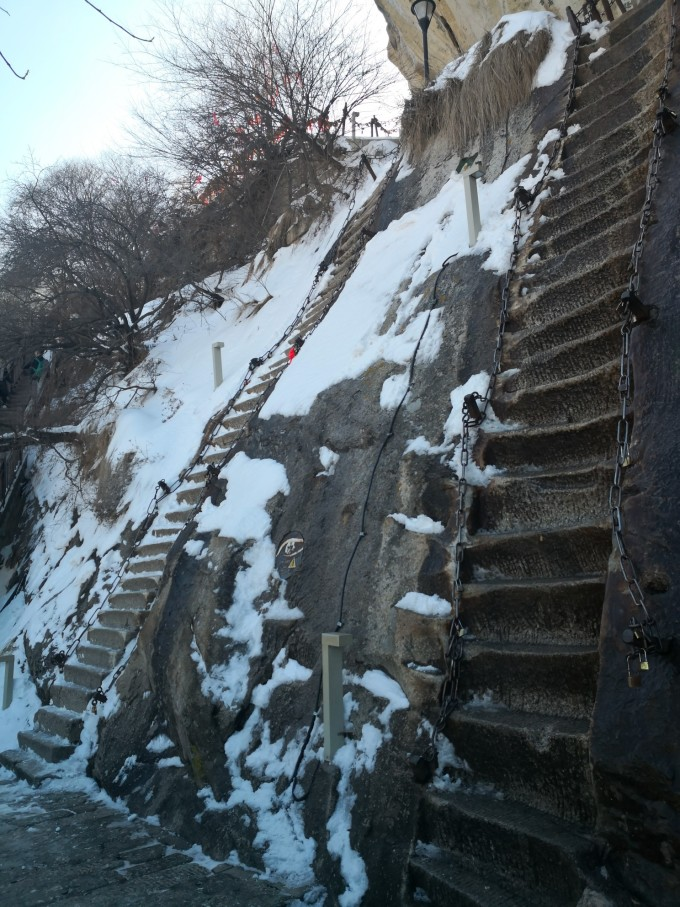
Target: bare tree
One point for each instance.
(252, 85)
(85, 249)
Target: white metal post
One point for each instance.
(332, 645)
(472, 206)
(355, 117)
(217, 364)
(8, 681)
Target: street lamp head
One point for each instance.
(423, 10)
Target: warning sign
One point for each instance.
(289, 554)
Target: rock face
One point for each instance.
(557, 781)
(455, 27)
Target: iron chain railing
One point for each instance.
(474, 413)
(642, 633)
(58, 658)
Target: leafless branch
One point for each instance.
(117, 24)
(11, 67)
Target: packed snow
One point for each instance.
(550, 69)
(427, 605)
(421, 523)
(154, 434)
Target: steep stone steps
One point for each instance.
(60, 722)
(568, 400)
(549, 446)
(557, 680)
(545, 759)
(443, 882)
(564, 498)
(623, 38)
(112, 637)
(121, 619)
(546, 301)
(150, 549)
(509, 843)
(259, 388)
(85, 675)
(191, 494)
(557, 237)
(47, 746)
(565, 551)
(152, 564)
(58, 726)
(72, 696)
(98, 656)
(539, 535)
(584, 156)
(606, 111)
(576, 199)
(223, 440)
(586, 253)
(566, 610)
(618, 68)
(130, 600)
(560, 360)
(642, 103)
(595, 318)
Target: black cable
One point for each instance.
(362, 532)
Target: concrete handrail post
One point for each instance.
(8, 680)
(332, 645)
(472, 206)
(217, 364)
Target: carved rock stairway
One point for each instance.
(518, 826)
(109, 641)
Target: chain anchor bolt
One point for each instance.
(667, 120)
(631, 303)
(424, 766)
(472, 414)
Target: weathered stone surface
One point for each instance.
(60, 847)
(453, 30)
(635, 751)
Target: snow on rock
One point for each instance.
(287, 852)
(250, 485)
(329, 460)
(394, 390)
(159, 744)
(421, 523)
(354, 758)
(352, 337)
(507, 28)
(420, 603)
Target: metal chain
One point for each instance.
(217, 421)
(641, 635)
(475, 407)
(163, 489)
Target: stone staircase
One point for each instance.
(109, 641)
(517, 827)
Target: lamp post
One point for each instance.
(423, 10)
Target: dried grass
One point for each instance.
(467, 109)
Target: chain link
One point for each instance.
(217, 422)
(643, 636)
(58, 658)
(475, 408)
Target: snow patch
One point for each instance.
(428, 605)
(421, 523)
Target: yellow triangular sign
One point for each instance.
(292, 565)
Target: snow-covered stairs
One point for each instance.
(107, 642)
(520, 827)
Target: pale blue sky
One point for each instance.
(76, 101)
